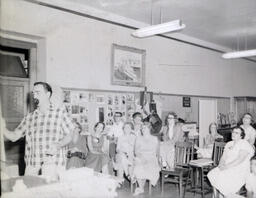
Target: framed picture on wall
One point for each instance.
(128, 66)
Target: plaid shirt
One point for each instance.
(41, 130)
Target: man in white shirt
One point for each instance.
(48, 130)
(115, 131)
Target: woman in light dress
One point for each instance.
(125, 151)
(207, 149)
(146, 165)
(171, 133)
(234, 165)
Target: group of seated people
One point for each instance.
(237, 164)
(134, 152)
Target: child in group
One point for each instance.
(251, 180)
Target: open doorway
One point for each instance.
(15, 86)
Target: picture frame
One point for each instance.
(128, 66)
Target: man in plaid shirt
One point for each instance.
(47, 129)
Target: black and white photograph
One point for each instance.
(75, 109)
(84, 97)
(128, 98)
(110, 99)
(66, 96)
(100, 99)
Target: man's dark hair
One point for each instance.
(241, 129)
(46, 86)
(137, 114)
(117, 113)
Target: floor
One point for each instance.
(170, 191)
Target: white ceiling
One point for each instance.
(228, 23)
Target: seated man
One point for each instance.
(115, 131)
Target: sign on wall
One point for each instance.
(186, 102)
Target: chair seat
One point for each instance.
(177, 171)
(204, 162)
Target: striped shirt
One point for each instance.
(43, 129)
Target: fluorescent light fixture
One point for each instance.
(240, 54)
(159, 29)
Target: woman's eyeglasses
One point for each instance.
(234, 132)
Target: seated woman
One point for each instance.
(145, 163)
(125, 151)
(250, 132)
(77, 149)
(97, 158)
(207, 149)
(234, 165)
(251, 180)
(171, 133)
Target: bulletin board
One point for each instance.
(90, 106)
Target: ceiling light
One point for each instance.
(240, 54)
(159, 29)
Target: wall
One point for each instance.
(78, 54)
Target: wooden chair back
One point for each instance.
(184, 152)
(218, 150)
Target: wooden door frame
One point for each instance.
(32, 47)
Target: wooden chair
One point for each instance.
(184, 152)
(203, 166)
(218, 150)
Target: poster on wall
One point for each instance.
(109, 115)
(74, 97)
(91, 97)
(100, 117)
(128, 66)
(66, 95)
(110, 100)
(130, 109)
(84, 97)
(130, 98)
(100, 99)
